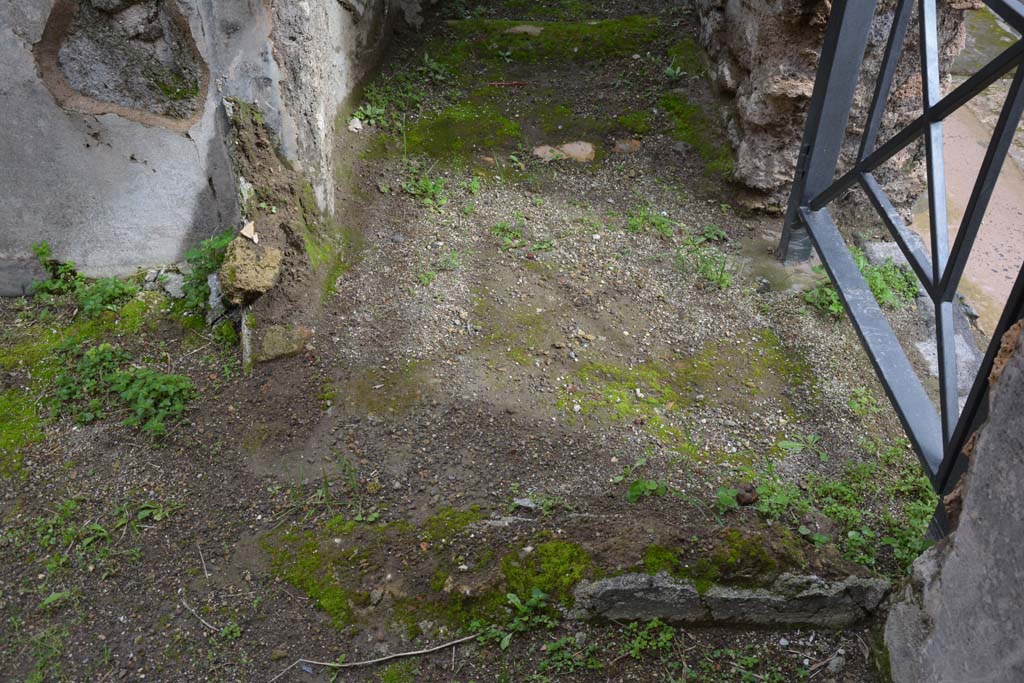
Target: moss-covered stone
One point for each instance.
(281, 341)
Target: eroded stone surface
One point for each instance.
(791, 600)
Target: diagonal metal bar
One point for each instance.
(998, 148)
(976, 408)
(901, 383)
(945, 335)
(918, 260)
(988, 75)
(883, 86)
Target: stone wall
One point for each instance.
(113, 143)
(764, 54)
(960, 617)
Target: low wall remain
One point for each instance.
(113, 144)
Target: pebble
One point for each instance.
(837, 664)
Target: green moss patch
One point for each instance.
(461, 131)
(657, 394)
(637, 122)
(690, 124)
(554, 567)
(20, 426)
(323, 569)
(502, 41)
(450, 522)
(687, 56)
(743, 559)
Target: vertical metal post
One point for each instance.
(846, 39)
(945, 335)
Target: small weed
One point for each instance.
(511, 234)
(643, 488)
(713, 266)
(804, 442)
(565, 656)
(106, 294)
(205, 260)
(450, 262)
(645, 218)
(863, 403)
(725, 500)
(427, 278)
(64, 279)
(528, 616)
(892, 286)
(654, 637)
(231, 632)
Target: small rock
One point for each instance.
(249, 270)
(747, 494)
(526, 29)
(216, 301)
(783, 642)
(281, 341)
(580, 151)
(246, 191)
(626, 147)
(278, 654)
(525, 503)
(397, 238)
(376, 595)
(355, 125)
(174, 285)
(836, 664)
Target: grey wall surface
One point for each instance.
(961, 619)
(114, 192)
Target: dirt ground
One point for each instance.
(525, 374)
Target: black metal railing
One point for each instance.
(938, 436)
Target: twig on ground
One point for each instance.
(196, 615)
(379, 660)
(201, 559)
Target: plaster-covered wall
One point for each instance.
(113, 185)
(960, 619)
